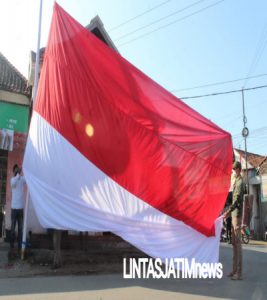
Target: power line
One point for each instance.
(260, 48)
(171, 23)
(223, 93)
(159, 20)
(253, 132)
(259, 137)
(140, 15)
(259, 146)
(218, 83)
(260, 129)
(235, 115)
(231, 120)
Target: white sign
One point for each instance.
(6, 139)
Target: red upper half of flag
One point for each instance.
(132, 129)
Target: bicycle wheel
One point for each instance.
(245, 238)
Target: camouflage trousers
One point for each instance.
(237, 247)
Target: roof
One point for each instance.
(96, 27)
(11, 79)
(255, 160)
(263, 167)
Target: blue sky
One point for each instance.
(211, 41)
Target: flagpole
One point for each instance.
(35, 85)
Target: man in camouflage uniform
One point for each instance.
(236, 213)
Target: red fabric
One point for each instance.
(139, 134)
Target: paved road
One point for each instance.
(254, 285)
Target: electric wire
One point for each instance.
(224, 93)
(260, 48)
(140, 15)
(159, 20)
(171, 23)
(218, 83)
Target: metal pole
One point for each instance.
(36, 79)
(37, 61)
(245, 134)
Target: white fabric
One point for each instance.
(18, 192)
(69, 192)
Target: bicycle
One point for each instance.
(245, 234)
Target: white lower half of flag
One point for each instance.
(70, 193)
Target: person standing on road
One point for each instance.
(236, 213)
(17, 204)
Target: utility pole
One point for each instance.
(36, 77)
(245, 133)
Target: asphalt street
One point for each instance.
(113, 286)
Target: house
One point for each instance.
(14, 121)
(256, 172)
(96, 27)
(262, 172)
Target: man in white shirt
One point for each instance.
(17, 204)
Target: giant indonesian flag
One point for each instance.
(111, 150)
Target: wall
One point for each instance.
(14, 98)
(264, 202)
(15, 110)
(14, 157)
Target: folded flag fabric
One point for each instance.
(111, 150)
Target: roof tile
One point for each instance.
(11, 79)
(254, 159)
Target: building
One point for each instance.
(96, 27)
(257, 178)
(262, 172)
(14, 121)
